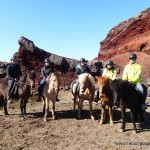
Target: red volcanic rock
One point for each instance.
(34, 60)
(132, 35)
(129, 36)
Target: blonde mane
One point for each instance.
(83, 77)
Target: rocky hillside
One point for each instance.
(33, 58)
(132, 35)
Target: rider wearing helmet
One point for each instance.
(110, 71)
(81, 68)
(132, 72)
(45, 72)
(13, 73)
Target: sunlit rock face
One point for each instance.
(129, 36)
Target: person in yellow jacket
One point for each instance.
(110, 71)
(132, 73)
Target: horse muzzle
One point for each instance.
(115, 103)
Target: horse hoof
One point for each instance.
(111, 123)
(121, 130)
(22, 118)
(45, 119)
(6, 114)
(92, 118)
(134, 132)
(53, 117)
(101, 122)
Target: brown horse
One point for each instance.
(25, 84)
(106, 97)
(86, 92)
(50, 92)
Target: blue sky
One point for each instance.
(70, 28)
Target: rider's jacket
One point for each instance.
(112, 73)
(80, 70)
(132, 72)
(46, 71)
(13, 71)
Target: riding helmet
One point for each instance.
(47, 60)
(132, 56)
(82, 60)
(110, 62)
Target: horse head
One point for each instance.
(53, 81)
(85, 81)
(116, 88)
(104, 86)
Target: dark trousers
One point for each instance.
(41, 86)
(10, 88)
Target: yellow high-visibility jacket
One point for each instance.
(132, 73)
(110, 73)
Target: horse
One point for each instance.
(85, 91)
(106, 97)
(126, 96)
(50, 92)
(25, 86)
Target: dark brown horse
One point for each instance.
(106, 97)
(25, 84)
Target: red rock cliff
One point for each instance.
(132, 35)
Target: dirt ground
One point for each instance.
(67, 132)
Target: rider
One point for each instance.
(110, 71)
(132, 72)
(13, 73)
(45, 72)
(80, 69)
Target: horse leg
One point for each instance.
(102, 115)
(80, 108)
(133, 121)
(44, 105)
(74, 105)
(122, 129)
(53, 109)
(21, 108)
(25, 104)
(5, 106)
(91, 112)
(111, 115)
(47, 109)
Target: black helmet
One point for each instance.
(82, 60)
(132, 56)
(110, 62)
(47, 60)
(14, 58)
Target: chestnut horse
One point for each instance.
(25, 85)
(50, 92)
(106, 97)
(86, 92)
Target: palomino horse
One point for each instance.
(106, 97)
(25, 85)
(86, 92)
(50, 92)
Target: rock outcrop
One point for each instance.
(132, 35)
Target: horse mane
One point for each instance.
(83, 77)
(122, 85)
(103, 80)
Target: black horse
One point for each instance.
(126, 96)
